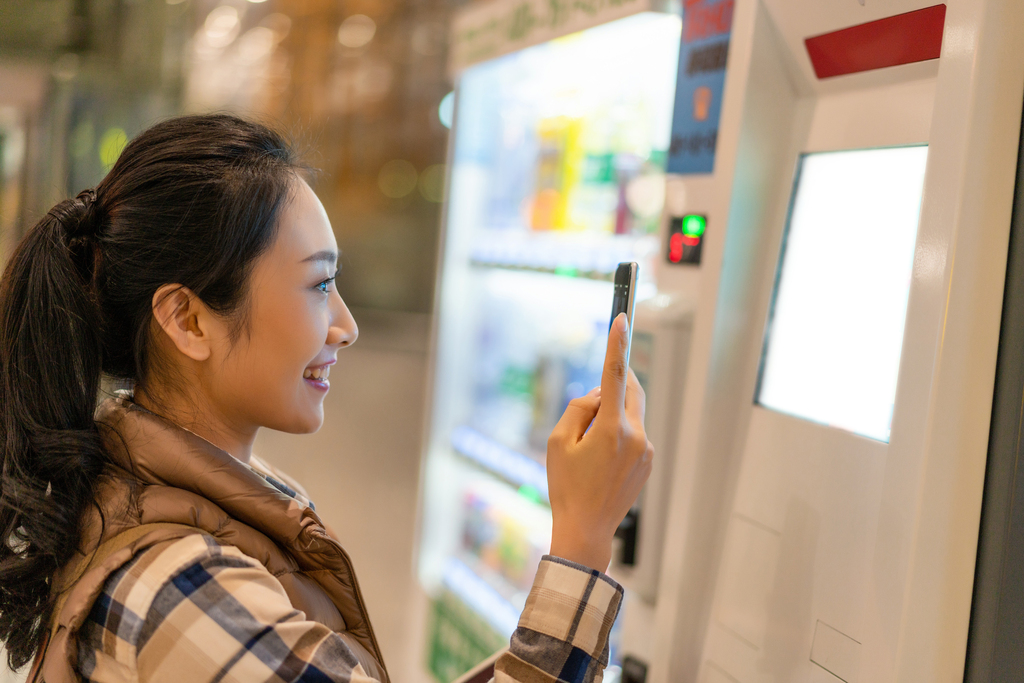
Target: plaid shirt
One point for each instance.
(192, 610)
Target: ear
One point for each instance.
(184, 319)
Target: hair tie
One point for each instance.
(87, 223)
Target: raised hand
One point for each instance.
(598, 460)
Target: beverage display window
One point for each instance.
(557, 173)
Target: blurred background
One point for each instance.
(357, 84)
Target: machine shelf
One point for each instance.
(481, 596)
(558, 270)
(518, 469)
(568, 254)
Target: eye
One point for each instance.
(325, 285)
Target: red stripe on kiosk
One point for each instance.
(902, 39)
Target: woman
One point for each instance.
(144, 540)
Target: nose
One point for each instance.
(343, 330)
(342, 336)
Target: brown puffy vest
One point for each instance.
(166, 482)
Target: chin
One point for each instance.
(312, 423)
(302, 422)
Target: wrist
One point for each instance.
(588, 549)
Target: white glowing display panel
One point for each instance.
(832, 348)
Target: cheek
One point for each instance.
(267, 366)
(295, 338)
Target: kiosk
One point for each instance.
(828, 479)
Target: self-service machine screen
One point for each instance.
(835, 329)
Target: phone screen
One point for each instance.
(623, 293)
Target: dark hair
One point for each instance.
(192, 201)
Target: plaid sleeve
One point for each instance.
(563, 631)
(192, 610)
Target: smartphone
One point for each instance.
(623, 293)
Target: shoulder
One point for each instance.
(138, 581)
(139, 597)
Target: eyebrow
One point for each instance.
(326, 255)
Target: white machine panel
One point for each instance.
(797, 546)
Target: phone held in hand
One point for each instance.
(623, 293)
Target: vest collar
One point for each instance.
(154, 450)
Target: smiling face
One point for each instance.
(275, 374)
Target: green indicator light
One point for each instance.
(566, 271)
(694, 226)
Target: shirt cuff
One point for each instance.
(574, 604)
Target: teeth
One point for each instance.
(317, 373)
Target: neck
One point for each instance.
(201, 418)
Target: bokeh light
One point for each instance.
(446, 110)
(356, 31)
(397, 178)
(279, 23)
(645, 194)
(256, 44)
(432, 183)
(222, 26)
(112, 142)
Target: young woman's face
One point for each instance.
(275, 373)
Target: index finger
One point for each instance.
(613, 378)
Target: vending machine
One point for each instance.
(556, 174)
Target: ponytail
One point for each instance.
(50, 453)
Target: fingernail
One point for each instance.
(596, 391)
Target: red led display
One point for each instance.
(675, 248)
(685, 239)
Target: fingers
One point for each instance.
(636, 400)
(577, 416)
(613, 379)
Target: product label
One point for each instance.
(700, 81)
